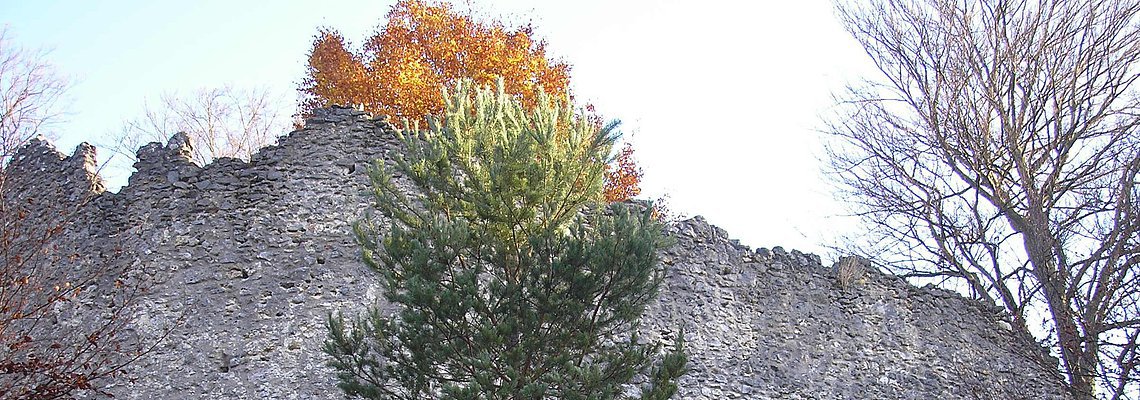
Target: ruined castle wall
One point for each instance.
(771, 324)
(248, 258)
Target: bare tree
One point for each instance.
(30, 93)
(63, 312)
(998, 152)
(221, 122)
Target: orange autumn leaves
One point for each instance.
(623, 177)
(424, 47)
(335, 75)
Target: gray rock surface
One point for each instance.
(246, 259)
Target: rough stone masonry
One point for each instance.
(248, 258)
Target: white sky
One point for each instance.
(721, 99)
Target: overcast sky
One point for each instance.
(721, 99)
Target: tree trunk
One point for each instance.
(1080, 366)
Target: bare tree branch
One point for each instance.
(30, 93)
(221, 122)
(999, 148)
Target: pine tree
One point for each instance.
(510, 276)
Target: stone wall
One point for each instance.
(246, 260)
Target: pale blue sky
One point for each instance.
(721, 98)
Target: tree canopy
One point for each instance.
(424, 47)
(998, 154)
(509, 277)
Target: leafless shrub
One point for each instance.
(850, 270)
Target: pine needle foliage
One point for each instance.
(510, 277)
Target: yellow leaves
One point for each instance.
(426, 46)
(422, 48)
(334, 72)
(623, 177)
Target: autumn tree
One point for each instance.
(623, 176)
(998, 153)
(509, 276)
(337, 75)
(220, 122)
(424, 47)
